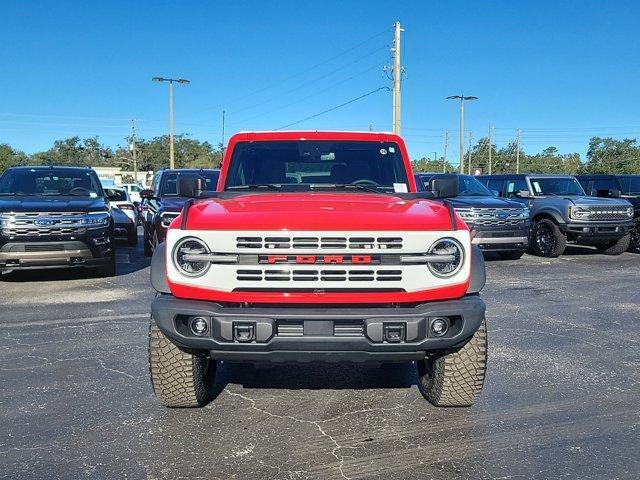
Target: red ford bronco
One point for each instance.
(317, 246)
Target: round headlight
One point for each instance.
(453, 257)
(629, 211)
(186, 248)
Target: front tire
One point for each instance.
(634, 244)
(455, 378)
(148, 251)
(615, 247)
(108, 269)
(179, 378)
(547, 239)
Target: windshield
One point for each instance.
(467, 186)
(170, 187)
(305, 165)
(556, 186)
(53, 181)
(116, 195)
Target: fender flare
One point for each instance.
(555, 215)
(159, 269)
(478, 271)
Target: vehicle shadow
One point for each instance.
(316, 376)
(129, 259)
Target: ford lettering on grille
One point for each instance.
(317, 259)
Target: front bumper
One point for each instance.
(302, 334)
(501, 239)
(92, 249)
(589, 233)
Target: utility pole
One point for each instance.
(446, 144)
(222, 141)
(517, 150)
(133, 147)
(462, 98)
(170, 81)
(470, 137)
(490, 147)
(397, 77)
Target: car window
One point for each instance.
(116, 194)
(54, 181)
(170, 183)
(496, 184)
(135, 188)
(514, 186)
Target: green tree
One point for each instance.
(431, 165)
(606, 155)
(10, 157)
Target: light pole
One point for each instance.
(170, 81)
(462, 98)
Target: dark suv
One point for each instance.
(497, 224)
(55, 217)
(561, 212)
(612, 186)
(161, 203)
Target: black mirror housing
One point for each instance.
(190, 185)
(615, 193)
(444, 186)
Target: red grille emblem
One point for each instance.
(323, 259)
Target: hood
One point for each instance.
(173, 204)
(634, 200)
(596, 201)
(318, 211)
(484, 202)
(51, 204)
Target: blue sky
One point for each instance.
(560, 71)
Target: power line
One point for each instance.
(334, 108)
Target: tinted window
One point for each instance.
(116, 195)
(495, 184)
(630, 184)
(170, 185)
(303, 164)
(55, 181)
(514, 186)
(556, 186)
(467, 186)
(607, 184)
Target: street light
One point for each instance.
(462, 98)
(170, 81)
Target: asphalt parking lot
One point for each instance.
(561, 398)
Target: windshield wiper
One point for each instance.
(19, 194)
(357, 186)
(270, 186)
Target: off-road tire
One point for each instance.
(132, 240)
(108, 269)
(179, 378)
(148, 251)
(511, 255)
(455, 378)
(634, 244)
(615, 247)
(546, 239)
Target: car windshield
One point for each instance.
(306, 165)
(170, 185)
(116, 194)
(50, 181)
(556, 186)
(467, 186)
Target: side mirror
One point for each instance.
(146, 193)
(190, 185)
(444, 186)
(523, 194)
(495, 192)
(615, 193)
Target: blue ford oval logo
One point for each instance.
(44, 222)
(503, 215)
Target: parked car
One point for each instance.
(119, 197)
(562, 212)
(612, 186)
(348, 264)
(124, 227)
(133, 189)
(161, 203)
(497, 224)
(55, 217)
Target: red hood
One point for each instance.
(318, 211)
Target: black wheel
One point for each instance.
(634, 244)
(511, 255)
(109, 268)
(179, 378)
(615, 247)
(148, 251)
(132, 239)
(455, 378)
(547, 239)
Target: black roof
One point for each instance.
(522, 176)
(49, 167)
(595, 176)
